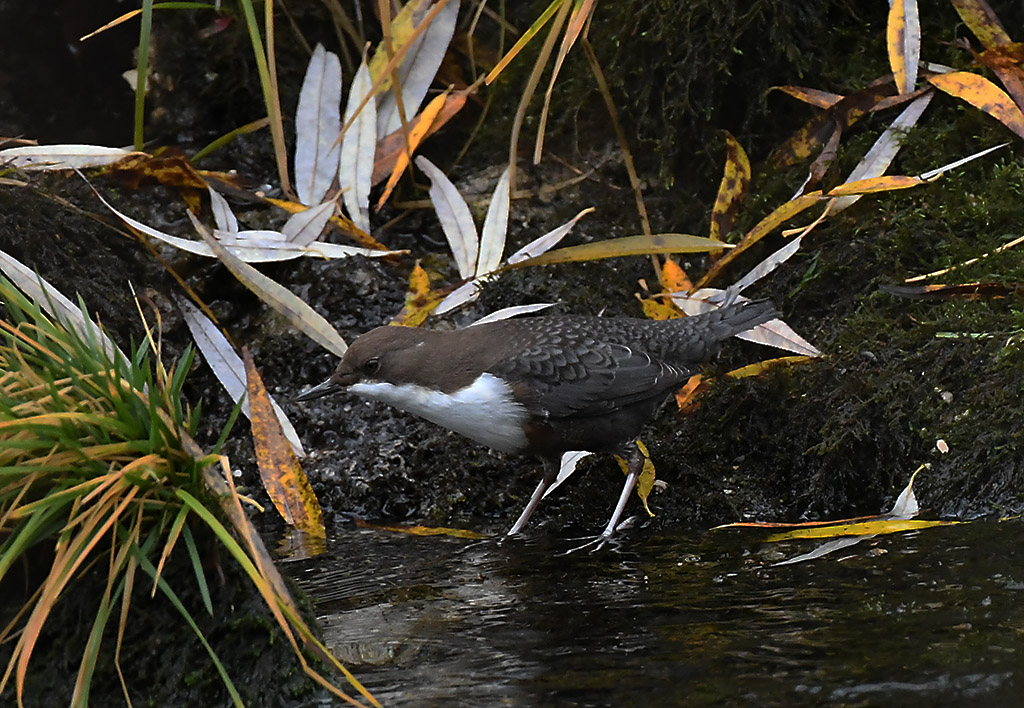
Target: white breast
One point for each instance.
(484, 411)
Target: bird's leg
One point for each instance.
(635, 464)
(550, 474)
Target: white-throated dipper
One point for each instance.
(541, 385)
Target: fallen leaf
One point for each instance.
(286, 484)
(983, 94)
(732, 188)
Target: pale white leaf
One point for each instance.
(305, 227)
(933, 174)
(305, 318)
(911, 49)
(228, 367)
(906, 506)
(467, 292)
(418, 67)
(766, 266)
(883, 152)
(492, 236)
(774, 333)
(222, 214)
(547, 241)
(317, 124)
(62, 157)
(566, 467)
(835, 544)
(355, 168)
(514, 311)
(59, 307)
(253, 246)
(455, 217)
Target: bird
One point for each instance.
(542, 385)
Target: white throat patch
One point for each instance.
(484, 411)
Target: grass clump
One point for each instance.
(99, 473)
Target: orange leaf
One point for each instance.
(392, 146)
(283, 478)
(416, 134)
(982, 93)
(732, 188)
(674, 278)
(686, 397)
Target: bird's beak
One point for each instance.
(324, 389)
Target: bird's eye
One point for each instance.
(372, 366)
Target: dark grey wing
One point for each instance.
(587, 381)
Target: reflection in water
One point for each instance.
(929, 618)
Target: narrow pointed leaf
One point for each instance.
(983, 94)
(304, 317)
(305, 227)
(492, 236)
(418, 68)
(903, 40)
(222, 215)
(317, 124)
(228, 367)
(732, 188)
(62, 157)
(358, 145)
(455, 217)
(548, 241)
(639, 245)
(418, 131)
(883, 152)
(282, 475)
(983, 22)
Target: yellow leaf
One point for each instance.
(659, 310)
(982, 93)
(626, 246)
(876, 184)
(645, 482)
(767, 365)
(283, 478)
(402, 27)
(875, 527)
(732, 188)
(977, 15)
(768, 224)
(420, 300)
(423, 530)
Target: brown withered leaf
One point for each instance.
(843, 113)
(814, 97)
(1006, 62)
(283, 478)
(824, 160)
(732, 188)
(983, 94)
(967, 291)
(169, 169)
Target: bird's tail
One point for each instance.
(739, 317)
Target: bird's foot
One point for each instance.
(598, 542)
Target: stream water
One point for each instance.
(928, 618)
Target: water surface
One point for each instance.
(928, 618)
